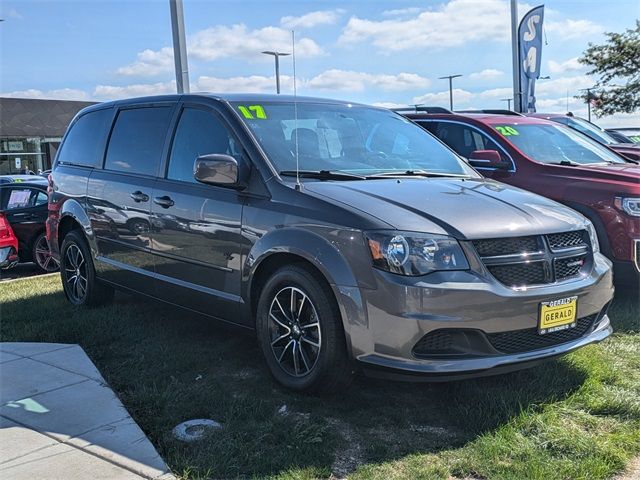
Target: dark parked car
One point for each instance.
(557, 162)
(24, 206)
(344, 235)
(631, 133)
(627, 149)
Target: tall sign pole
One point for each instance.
(517, 104)
(179, 46)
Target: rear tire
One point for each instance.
(300, 332)
(81, 287)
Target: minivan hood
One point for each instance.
(463, 208)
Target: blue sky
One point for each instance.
(389, 53)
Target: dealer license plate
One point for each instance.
(557, 315)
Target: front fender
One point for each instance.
(337, 253)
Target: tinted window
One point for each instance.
(15, 198)
(137, 140)
(198, 133)
(84, 144)
(464, 139)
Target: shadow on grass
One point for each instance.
(168, 366)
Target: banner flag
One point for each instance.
(530, 48)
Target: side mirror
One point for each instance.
(216, 169)
(488, 159)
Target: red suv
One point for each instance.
(555, 161)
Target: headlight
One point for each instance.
(593, 236)
(628, 205)
(412, 254)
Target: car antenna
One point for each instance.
(295, 108)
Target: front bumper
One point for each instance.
(383, 325)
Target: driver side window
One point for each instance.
(199, 132)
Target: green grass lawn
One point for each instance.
(576, 417)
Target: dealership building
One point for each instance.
(31, 130)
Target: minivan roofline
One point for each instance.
(222, 97)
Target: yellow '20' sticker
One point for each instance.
(252, 111)
(507, 130)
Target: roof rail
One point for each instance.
(421, 109)
(494, 111)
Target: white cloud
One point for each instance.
(568, 65)
(346, 80)
(402, 11)
(496, 93)
(111, 92)
(221, 42)
(570, 29)
(239, 41)
(452, 24)
(390, 105)
(149, 63)
(486, 74)
(311, 19)
(460, 96)
(60, 94)
(249, 84)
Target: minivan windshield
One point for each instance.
(347, 139)
(549, 143)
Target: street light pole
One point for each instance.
(515, 57)
(179, 46)
(450, 77)
(277, 56)
(508, 100)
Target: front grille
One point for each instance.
(536, 259)
(568, 267)
(518, 341)
(506, 246)
(558, 241)
(519, 273)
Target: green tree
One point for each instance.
(617, 64)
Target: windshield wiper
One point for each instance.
(322, 174)
(414, 173)
(566, 163)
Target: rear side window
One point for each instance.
(15, 198)
(84, 144)
(464, 139)
(137, 140)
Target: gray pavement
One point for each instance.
(59, 419)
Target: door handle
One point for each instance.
(138, 196)
(164, 202)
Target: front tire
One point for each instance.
(78, 274)
(300, 332)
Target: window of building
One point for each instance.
(198, 133)
(84, 143)
(137, 140)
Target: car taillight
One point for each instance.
(5, 228)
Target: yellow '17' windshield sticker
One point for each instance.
(507, 130)
(252, 111)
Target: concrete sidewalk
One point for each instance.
(59, 419)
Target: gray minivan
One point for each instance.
(346, 236)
